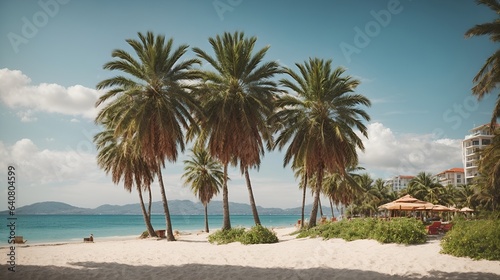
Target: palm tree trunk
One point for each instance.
(147, 219)
(252, 200)
(304, 189)
(317, 193)
(170, 234)
(150, 202)
(320, 207)
(331, 207)
(226, 222)
(206, 218)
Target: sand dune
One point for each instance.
(192, 257)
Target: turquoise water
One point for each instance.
(71, 228)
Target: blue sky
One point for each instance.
(411, 57)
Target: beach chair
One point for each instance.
(89, 239)
(19, 240)
(433, 228)
(446, 227)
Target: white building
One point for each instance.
(452, 176)
(399, 182)
(480, 137)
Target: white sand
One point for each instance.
(192, 257)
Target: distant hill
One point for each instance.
(176, 207)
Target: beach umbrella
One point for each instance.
(440, 208)
(406, 198)
(407, 203)
(466, 209)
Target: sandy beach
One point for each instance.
(192, 257)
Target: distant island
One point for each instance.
(176, 207)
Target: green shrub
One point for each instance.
(225, 236)
(399, 230)
(255, 235)
(258, 235)
(144, 234)
(477, 239)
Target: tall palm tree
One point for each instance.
(237, 98)
(489, 168)
(150, 102)
(117, 156)
(488, 77)
(205, 177)
(317, 121)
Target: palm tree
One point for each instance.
(342, 188)
(489, 168)
(425, 187)
(151, 102)
(466, 196)
(205, 176)
(237, 98)
(318, 121)
(488, 77)
(117, 156)
(299, 172)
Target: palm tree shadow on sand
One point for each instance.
(95, 270)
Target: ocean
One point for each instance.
(72, 228)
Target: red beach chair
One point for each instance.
(433, 228)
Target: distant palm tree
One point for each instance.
(118, 157)
(205, 177)
(342, 189)
(317, 120)
(237, 98)
(151, 103)
(488, 77)
(466, 196)
(425, 187)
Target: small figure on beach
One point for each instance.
(89, 239)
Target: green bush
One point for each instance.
(477, 239)
(255, 235)
(399, 230)
(225, 236)
(258, 235)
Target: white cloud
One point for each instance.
(27, 116)
(17, 91)
(36, 166)
(388, 154)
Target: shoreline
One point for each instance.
(192, 256)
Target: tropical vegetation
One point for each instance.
(397, 230)
(477, 239)
(234, 108)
